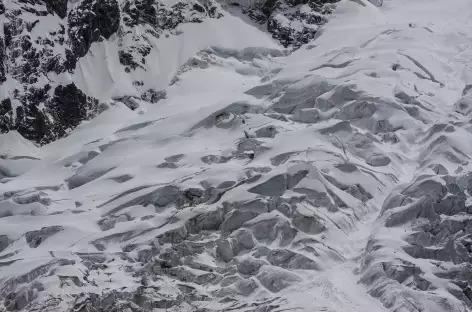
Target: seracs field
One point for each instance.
(236, 156)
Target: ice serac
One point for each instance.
(221, 172)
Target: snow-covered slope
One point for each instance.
(333, 178)
(86, 52)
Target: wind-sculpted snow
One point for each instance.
(335, 178)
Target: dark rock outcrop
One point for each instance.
(299, 25)
(92, 21)
(59, 7)
(70, 106)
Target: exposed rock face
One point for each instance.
(29, 58)
(3, 77)
(58, 7)
(6, 116)
(37, 108)
(90, 22)
(68, 107)
(292, 23)
(36, 48)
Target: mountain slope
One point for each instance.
(87, 52)
(331, 178)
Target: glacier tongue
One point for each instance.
(335, 178)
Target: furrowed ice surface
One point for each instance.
(335, 178)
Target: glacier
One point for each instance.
(332, 176)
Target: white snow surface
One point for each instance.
(293, 163)
(99, 76)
